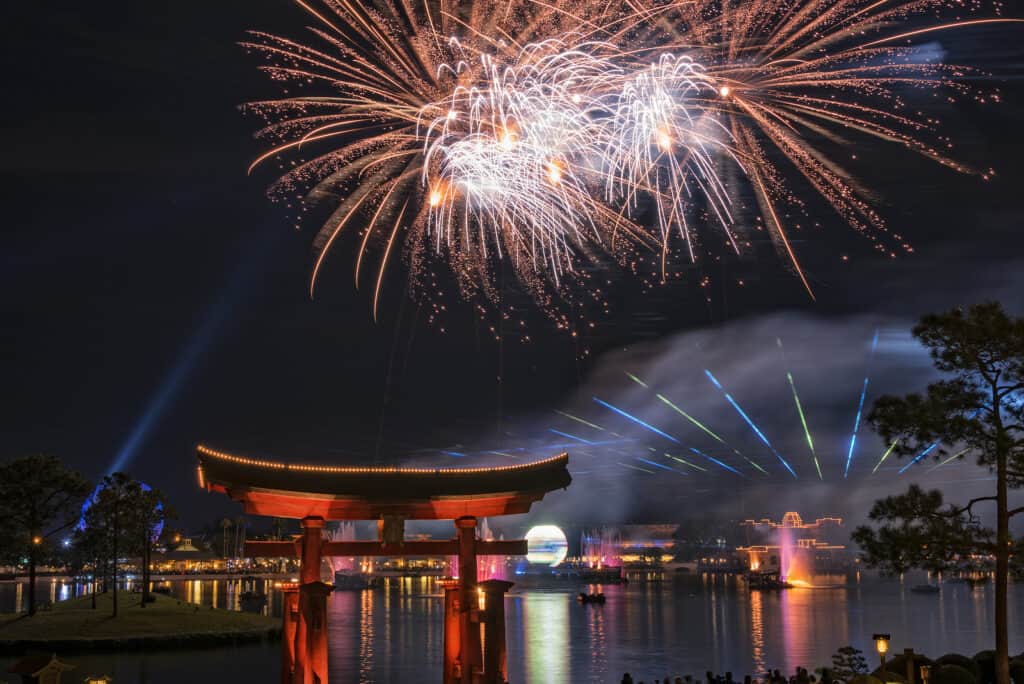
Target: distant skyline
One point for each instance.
(156, 299)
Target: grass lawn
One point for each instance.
(167, 617)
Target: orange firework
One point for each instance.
(519, 131)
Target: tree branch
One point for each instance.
(1010, 389)
(1014, 511)
(970, 504)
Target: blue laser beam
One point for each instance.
(860, 408)
(567, 435)
(660, 465)
(921, 455)
(637, 420)
(750, 422)
(856, 427)
(716, 461)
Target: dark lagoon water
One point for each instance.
(650, 629)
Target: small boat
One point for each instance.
(766, 580)
(926, 589)
(590, 598)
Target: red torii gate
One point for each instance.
(391, 495)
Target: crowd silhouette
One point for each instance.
(800, 676)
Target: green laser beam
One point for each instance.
(685, 462)
(885, 455)
(803, 421)
(579, 420)
(956, 455)
(626, 465)
(636, 380)
(708, 430)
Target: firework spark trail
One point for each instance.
(709, 431)
(716, 461)
(951, 458)
(885, 455)
(636, 420)
(800, 411)
(860, 408)
(540, 135)
(750, 422)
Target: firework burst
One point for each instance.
(518, 132)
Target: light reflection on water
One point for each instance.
(757, 631)
(686, 626)
(545, 633)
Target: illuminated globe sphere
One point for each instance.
(546, 545)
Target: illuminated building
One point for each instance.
(792, 545)
(186, 558)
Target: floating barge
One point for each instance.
(766, 580)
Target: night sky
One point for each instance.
(154, 298)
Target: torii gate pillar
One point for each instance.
(495, 660)
(471, 655)
(311, 631)
(452, 673)
(290, 623)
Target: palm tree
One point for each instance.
(239, 536)
(225, 525)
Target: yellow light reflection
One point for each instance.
(757, 630)
(546, 635)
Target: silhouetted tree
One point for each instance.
(225, 525)
(39, 498)
(978, 410)
(147, 510)
(848, 662)
(121, 520)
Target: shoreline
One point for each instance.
(167, 623)
(186, 640)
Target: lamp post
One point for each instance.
(882, 646)
(926, 673)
